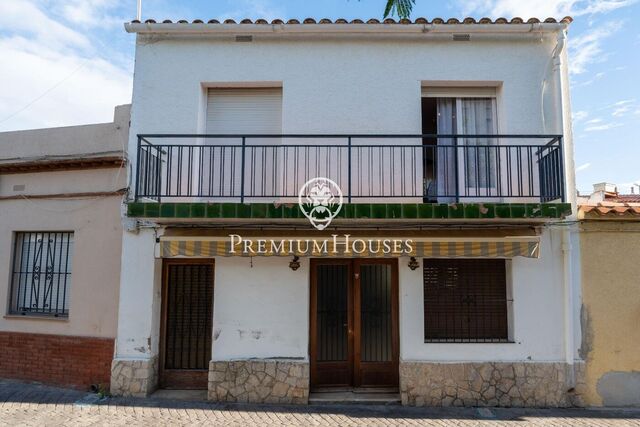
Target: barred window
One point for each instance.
(41, 273)
(465, 300)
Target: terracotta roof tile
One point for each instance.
(389, 21)
(628, 198)
(612, 209)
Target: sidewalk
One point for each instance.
(37, 405)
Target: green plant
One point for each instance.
(402, 8)
(103, 391)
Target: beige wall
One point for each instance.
(95, 275)
(610, 252)
(84, 140)
(95, 221)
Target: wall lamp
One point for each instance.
(413, 263)
(295, 263)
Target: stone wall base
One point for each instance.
(259, 381)
(131, 377)
(504, 384)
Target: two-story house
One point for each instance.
(353, 206)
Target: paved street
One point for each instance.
(37, 405)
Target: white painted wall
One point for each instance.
(346, 86)
(260, 311)
(140, 293)
(538, 313)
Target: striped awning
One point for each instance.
(205, 247)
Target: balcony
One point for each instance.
(397, 170)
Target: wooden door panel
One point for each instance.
(331, 322)
(186, 334)
(376, 325)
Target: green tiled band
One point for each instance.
(352, 210)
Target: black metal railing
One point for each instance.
(427, 168)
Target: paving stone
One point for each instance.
(32, 405)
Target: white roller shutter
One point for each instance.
(244, 111)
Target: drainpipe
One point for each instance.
(554, 65)
(568, 306)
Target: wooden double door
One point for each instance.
(354, 334)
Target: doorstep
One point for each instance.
(361, 396)
(186, 395)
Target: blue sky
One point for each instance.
(67, 62)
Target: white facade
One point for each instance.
(337, 82)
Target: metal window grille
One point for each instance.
(465, 300)
(41, 273)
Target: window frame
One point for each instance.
(16, 284)
(509, 302)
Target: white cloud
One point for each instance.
(584, 49)
(604, 126)
(587, 48)
(593, 121)
(255, 9)
(24, 17)
(92, 12)
(583, 167)
(623, 102)
(54, 77)
(579, 116)
(621, 111)
(541, 8)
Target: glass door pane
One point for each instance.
(375, 313)
(332, 294)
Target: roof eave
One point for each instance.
(345, 29)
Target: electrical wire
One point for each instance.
(45, 93)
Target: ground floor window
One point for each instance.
(41, 274)
(465, 300)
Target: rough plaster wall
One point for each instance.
(68, 140)
(261, 309)
(611, 312)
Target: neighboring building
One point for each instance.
(449, 140)
(61, 192)
(610, 256)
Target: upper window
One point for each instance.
(465, 165)
(465, 300)
(41, 274)
(244, 111)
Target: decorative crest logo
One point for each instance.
(320, 200)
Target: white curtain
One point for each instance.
(446, 156)
(478, 117)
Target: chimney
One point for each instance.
(602, 190)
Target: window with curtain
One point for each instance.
(477, 117)
(473, 165)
